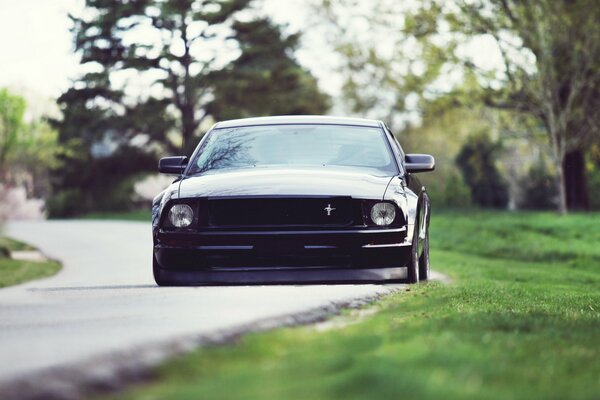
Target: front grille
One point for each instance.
(284, 212)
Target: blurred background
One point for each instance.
(505, 95)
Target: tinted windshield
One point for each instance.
(295, 146)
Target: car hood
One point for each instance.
(285, 182)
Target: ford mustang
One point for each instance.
(293, 199)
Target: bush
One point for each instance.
(448, 190)
(66, 203)
(477, 162)
(73, 202)
(539, 191)
(87, 184)
(594, 188)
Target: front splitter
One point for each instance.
(284, 276)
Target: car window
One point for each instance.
(296, 145)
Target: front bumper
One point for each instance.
(301, 251)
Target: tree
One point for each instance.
(539, 189)
(12, 110)
(99, 157)
(550, 66)
(561, 89)
(477, 160)
(167, 39)
(185, 58)
(27, 148)
(265, 79)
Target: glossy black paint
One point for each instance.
(284, 182)
(292, 247)
(419, 163)
(172, 165)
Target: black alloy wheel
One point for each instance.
(412, 267)
(424, 271)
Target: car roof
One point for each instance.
(297, 119)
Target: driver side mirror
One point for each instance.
(419, 163)
(172, 165)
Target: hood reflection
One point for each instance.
(286, 182)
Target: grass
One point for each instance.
(13, 245)
(13, 272)
(140, 215)
(521, 320)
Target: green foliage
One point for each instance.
(548, 69)
(12, 110)
(538, 43)
(26, 148)
(99, 115)
(188, 81)
(594, 188)
(85, 181)
(87, 184)
(477, 162)
(449, 192)
(66, 202)
(265, 79)
(446, 127)
(519, 321)
(539, 190)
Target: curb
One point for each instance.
(115, 371)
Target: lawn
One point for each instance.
(9, 244)
(520, 320)
(13, 272)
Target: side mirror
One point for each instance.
(419, 163)
(172, 165)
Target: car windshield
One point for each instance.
(295, 146)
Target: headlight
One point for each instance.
(383, 214)
(181, 215)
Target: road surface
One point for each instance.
(104, 299)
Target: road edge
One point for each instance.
(115, 371)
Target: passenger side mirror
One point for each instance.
(419, 163)
(172, 165)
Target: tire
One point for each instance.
(412, 267)
(424, 259)
(156, 272)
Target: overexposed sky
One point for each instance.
(36, 45)
(36, 57)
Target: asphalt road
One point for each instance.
(104, 299)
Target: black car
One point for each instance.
(293, 199)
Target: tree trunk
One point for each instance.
(188, 128)
(559, 158)
(575, 181)
(562, 192)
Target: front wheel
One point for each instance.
(424, 259)
(156, 272)
(412, 267)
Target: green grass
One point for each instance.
(13, 272)
(140, 215)
(521, 320)
(13, 245)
